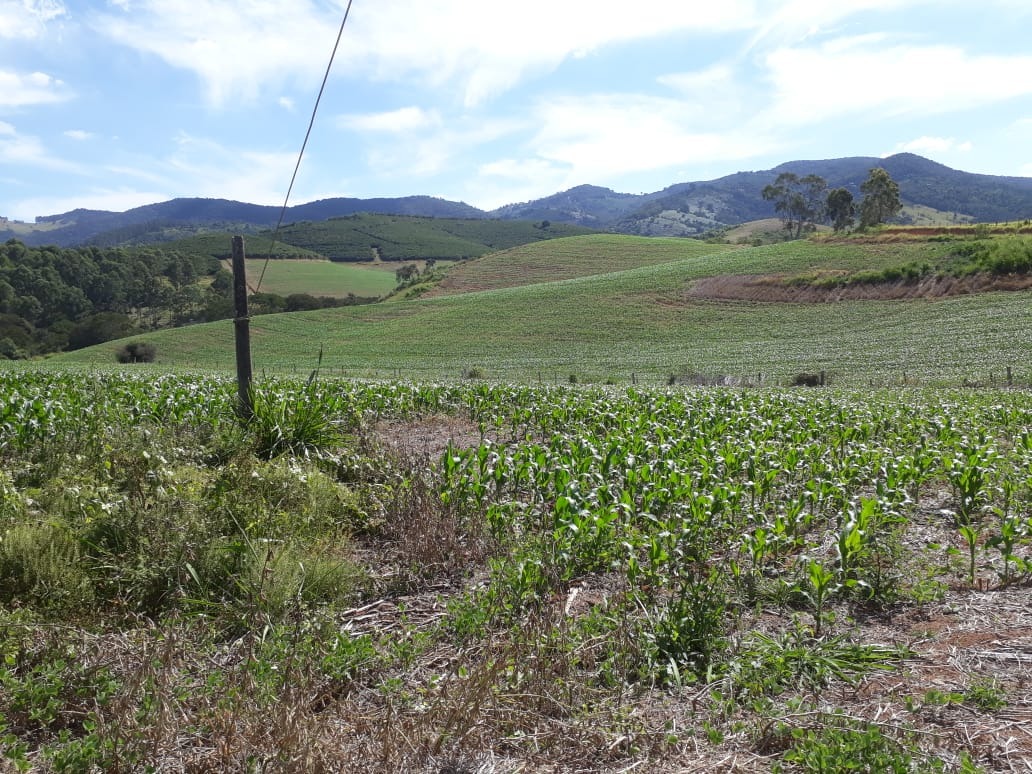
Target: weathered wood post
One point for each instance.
(242, 330)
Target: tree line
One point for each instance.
(803, 202)
(54, 299)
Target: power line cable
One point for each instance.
(301, 154)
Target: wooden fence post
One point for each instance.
(242, 330)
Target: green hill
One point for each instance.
(581, 256)
(366, 237)
(218, 244)
(644, 322)
(321, 278)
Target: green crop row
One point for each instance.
(429, 574)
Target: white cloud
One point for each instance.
(505, 181)
(78, 134)
(605, 139)
(286, 103)
(238, 48)
(788, 23)
(203, 167)
(136, 172)
(435, 147)
(599, 138)
(96, 199)
(857, 75)
(717, 90)
(482, 49)
(16, 148)
(405, 119)
(28, 18)
(21, 89)
(712, 80)
(933, 145)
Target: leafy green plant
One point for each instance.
(843, 744)
(970, 534)
(689, 631)
(768, 664)
(301, 422)
(970, 472)
(1013, 531)
(987, 694)
(820, 585)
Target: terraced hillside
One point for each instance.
(582, 256)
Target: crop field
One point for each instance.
(641, 325)
(220, 245)
(375, 576)
(568, 258)
(402, 238)
(322, 278)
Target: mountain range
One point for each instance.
(684, 209)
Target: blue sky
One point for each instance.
(110, 104)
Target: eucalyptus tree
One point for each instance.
(881, 198)
(800, 201)
(840, 208)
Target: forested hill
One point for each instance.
(183, 217)
(54, 298)
(682, 209)
(688, 209)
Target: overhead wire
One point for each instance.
(304, 145)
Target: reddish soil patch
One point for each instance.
(774, 287)
(952, 230)
(427, 437)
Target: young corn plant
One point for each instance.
(821, 585)
(970, 533)
(970, 472)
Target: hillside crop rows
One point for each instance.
(686, 308)
(389, 576)
(568, 258)
(400, 238)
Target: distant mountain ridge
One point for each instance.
(688, 209)
(682, 209)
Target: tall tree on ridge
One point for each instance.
(799, 200)
(881, 198)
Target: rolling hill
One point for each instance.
(939, 193)
(369, 237)
(644, 323)
(688, 209)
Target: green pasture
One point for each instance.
(642, 323)
(321, 278)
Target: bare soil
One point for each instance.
(776, 288)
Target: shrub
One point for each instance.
(136, 352)
(808, 380)
(40, 564)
